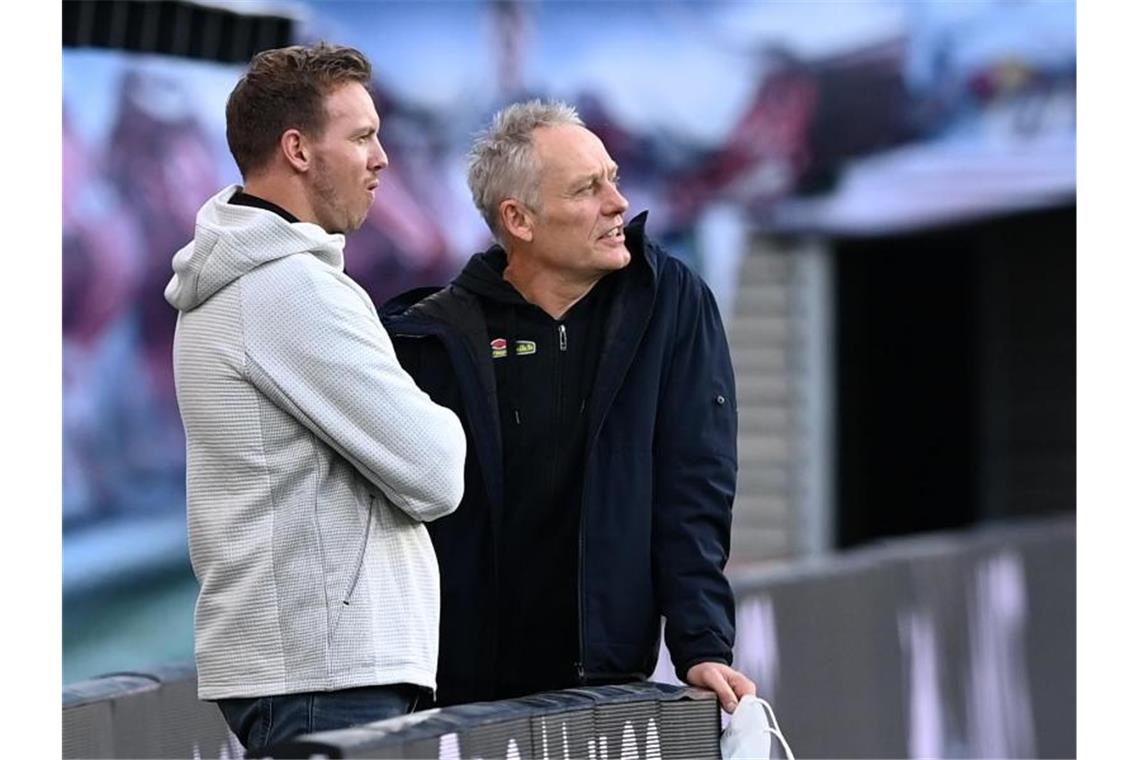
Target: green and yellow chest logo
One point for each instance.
(522, 348)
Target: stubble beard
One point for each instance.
(333, 213)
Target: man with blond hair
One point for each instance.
(592, 375)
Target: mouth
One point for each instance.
(371, 186)
(615, 233)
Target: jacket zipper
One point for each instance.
(558, 363)
(579, 666)
(562, 344)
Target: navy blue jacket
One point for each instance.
(658, 485)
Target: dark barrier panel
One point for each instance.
(945, 645)
(147, 715)
(91, 708)
(632, 720)
(190, 727)
(838, 658)
(948, 645)
(1023, 655)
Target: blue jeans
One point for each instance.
(258, 722)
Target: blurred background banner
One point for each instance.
(881, 195)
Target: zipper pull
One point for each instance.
(562, 337)
(581, 673)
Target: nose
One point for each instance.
(615, 201)
(378, 159)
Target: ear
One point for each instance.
(517, 219)
(296, 149)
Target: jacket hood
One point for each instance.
(483, 275)
(231, 240)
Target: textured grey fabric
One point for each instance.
(312, 462)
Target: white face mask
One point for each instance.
(749, 734)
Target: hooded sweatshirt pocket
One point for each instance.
(357, 568)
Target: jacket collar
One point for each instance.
(629, 317)
(455, 314)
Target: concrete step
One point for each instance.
(764, 331)
(767, 448)
(752, 359)
(760, 390)
(752, 478)
(765, 337)
(771, 419)
(761, 511)
(766, 298)
(765, 267)
(756, 544)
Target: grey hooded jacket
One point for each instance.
(313, 461)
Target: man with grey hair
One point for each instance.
(591, 372)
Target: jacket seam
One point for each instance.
(321, 474)
(264, 459)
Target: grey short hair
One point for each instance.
(502, 164)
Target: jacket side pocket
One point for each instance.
(346, 597)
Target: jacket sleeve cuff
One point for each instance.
(682, 667)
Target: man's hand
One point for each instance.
(730, 685)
